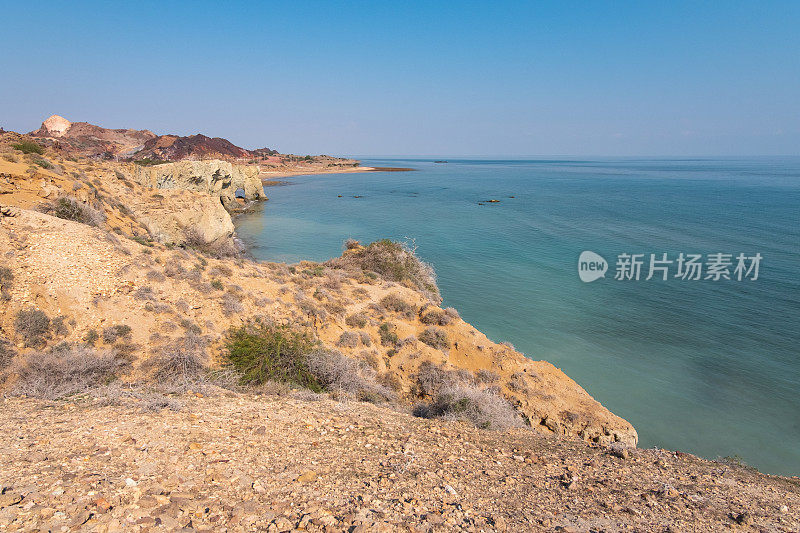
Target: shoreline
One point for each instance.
(270, 176)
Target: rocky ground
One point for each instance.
(225, 461)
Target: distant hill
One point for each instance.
(89, 140)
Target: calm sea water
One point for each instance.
(708, 367)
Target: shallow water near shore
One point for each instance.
(707, 367)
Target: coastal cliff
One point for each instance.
(215, 177)
(182, 204)
(120, 310)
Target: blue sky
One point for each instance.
(493, 78)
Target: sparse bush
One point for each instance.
(430, 379)
(263, 352)
(231, 303)
(517, 382)
(6, 280)
(483, 408)
(144, 293)
(7, 353)
(435, 317)
(365, 338)
(348, 339)
(486, 376)
(387, 334)
(180, 361)
(452, 313)
(28, 147)
(112, 333)
(357, 320)
(58, 326)
(157, 403)
(397, 304)
(154, 275)
(65, 370)
(91, 337)
(395, 262)
(189, 326)
(44, 163)
(337, 373)
(360, 293)
(217, 284)
(70, 209)
(351, 244)
(435, 338)
(33, 326)
(11, 158)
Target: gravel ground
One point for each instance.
(244, 462)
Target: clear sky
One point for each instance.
(367, 78)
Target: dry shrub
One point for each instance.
(430, 378)
(154, 275)
(394, 302)
(231, 304)
(348, 339)
(65, 370)
(221, 248)
(517, 382)
(435, 338)
(180, 361)
(485, 409)
(33, 325)
(486, 376)
(337, 373)
(144, 293)
(394, 261)
(360, 293)
(112, 333)
(70, 209)
(156, 402)
(6, 280)
(435, 317)
(7, 353)
(452, 313)
(357, 320)
(366, 340)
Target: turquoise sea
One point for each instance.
(708, 367)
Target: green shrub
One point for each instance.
(147, 162)
(44, 163)
(28, 147)
(217, 284)
(33, 326)
(263, 352)
(388, 336)
(435, 338)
